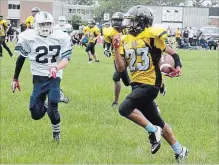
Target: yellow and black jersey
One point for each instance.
(30, 22)
(108, 35)
(3, 27)
(91, 33)
(142, 54)
(178, 33)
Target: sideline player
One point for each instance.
(30, 20)
(141, 50)
(49, 52)
(108, 34)
(3, 32)
(63, 25)
(92, 32)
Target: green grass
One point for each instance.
(93, 132)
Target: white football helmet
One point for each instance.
(44, 23)
(62, 20)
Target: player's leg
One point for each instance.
(53, 113)
(151, 112)
(63, 97)
(94, 53)
(1, 40)
(142, 94)
(88, 49)
(7, 48)
(117, 87)
(37, 99)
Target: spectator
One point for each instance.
(178, 35)
(203, 42)
(212, 43)
(169, 32)
(186, 35)
(191, 35)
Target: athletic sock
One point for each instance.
(177, 148)
(151, 128)
(56, 129)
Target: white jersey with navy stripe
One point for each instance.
(44, 52)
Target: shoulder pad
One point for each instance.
(27, 34)
(157, 32)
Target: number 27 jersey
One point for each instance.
(142, 57)
(44, 52)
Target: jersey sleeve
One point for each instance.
(97, 31)
(160, 44)
(66, 48)
(22, 47)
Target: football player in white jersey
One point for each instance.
(49, 52)
(63, 25)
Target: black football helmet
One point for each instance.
(116, 20)
(137, 19)
(91, 23)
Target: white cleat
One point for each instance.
(182, 156)
(155, 140)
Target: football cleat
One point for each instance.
(155, 140)
(97, 60)
(182, 156)
(63, 97)
(56, 137)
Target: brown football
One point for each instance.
(165, 62)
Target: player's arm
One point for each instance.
(23, 49)
(178, 64)
(108, 43)
(66, 52)
(121, 64)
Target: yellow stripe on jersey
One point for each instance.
(29, 22)
(3, 27)
(91, 33)
(142, 56)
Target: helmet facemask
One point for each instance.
(44, 29)
(134, 25)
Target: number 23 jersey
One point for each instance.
(142, 54)
(44, 52)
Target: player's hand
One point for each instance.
(107, 53)
(116, 41)
(174, 72)
(15, 84)
(52, 72)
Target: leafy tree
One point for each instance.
(76, 21)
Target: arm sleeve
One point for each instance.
(18, 67)
(66, 48)
(22, 46)
(160, 44)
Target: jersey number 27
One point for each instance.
(45, 51)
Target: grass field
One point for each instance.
(93, 132)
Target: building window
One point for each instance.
(9, 6)
(14, 6)
(78, 11)
(69, 10)
(74, 11)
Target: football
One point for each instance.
(165, 62)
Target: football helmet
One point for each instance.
(91, 23)
(44, 23)
(62, 20)
(116, 20)
(35, 10)
(137, 19)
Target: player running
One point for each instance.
(92, 32)
(3, 32)
(108, 34)
(141, 50)
(49, 52)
